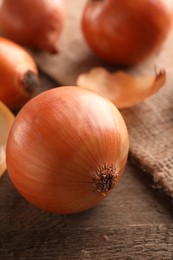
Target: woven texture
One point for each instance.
(150, 123)
(150, 128)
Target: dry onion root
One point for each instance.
(6, 120)
(121, 88)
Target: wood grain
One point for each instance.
(134, 222)
(113, 242)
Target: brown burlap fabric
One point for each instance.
(150, 128)
(150, 123)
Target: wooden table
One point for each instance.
(134, 222)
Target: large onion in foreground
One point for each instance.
(67, 149)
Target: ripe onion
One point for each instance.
(6, 120)
(67, 149)
(126, 31)
(18, 74)
(34, 23)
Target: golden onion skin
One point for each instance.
(67, 149)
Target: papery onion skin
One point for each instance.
(6, 120)
(19, 80)
(126, 32)
(67, 149)
(35, 24)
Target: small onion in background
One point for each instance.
(19, 80)
(126, 32)
(34, 23)
(67, 149)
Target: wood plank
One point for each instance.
(112, 242)
(134, 222)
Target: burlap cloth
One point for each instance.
(150, 123)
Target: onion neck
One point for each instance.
(30, 82)
(104, 179)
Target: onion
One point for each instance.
(6, 120)
(67, 149)
(18, 74)
(126, 31)
(33, 23)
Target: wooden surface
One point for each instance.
(134, 222)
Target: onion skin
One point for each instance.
(35, 24)
(126, 32)
(18, 74)
(6, 120)
(122, 89)
(73, 147)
